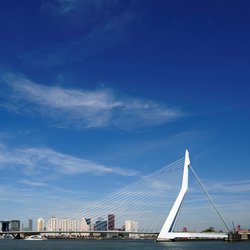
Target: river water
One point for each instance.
(120, 245)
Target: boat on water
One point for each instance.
(7, 237)
(36, 237)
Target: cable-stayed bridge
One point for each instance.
(147, 203)
(150, 205)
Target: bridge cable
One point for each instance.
(209, 197)
(142, 196)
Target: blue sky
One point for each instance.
(97, 93)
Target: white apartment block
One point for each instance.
(53, 224)
(64, 224)
(57, 224)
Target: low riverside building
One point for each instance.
(132, 226)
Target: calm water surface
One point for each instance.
(120, 245)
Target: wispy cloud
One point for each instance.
(231, 187)
(33, 183)
(84, 108)
(31, 202)
(96, 26)
(46, 162)
(240, 187)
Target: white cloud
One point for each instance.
(46, 162)
(84, 109)
(33, 183)
(28, 201)
(231, 187)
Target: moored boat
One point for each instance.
(7, 237)
(36, 237)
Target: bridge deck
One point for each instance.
(77, 232)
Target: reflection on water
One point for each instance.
(120, 245)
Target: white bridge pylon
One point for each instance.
(167, 232)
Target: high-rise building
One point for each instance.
(5, 226)
(40, 224)
(101, 225)
(111, 222)
(30, 224)
(15, 225)
(88, 221)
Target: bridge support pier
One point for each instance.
(234, 237)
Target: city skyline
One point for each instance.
(98, 94)
(66, 224)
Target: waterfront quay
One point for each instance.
(84, 234)
(243, 235)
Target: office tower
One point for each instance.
(40, 224)
(30, 225)
(5, 226)
(15, 225)
(111, 222)
(88, 221)
(101, 225)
